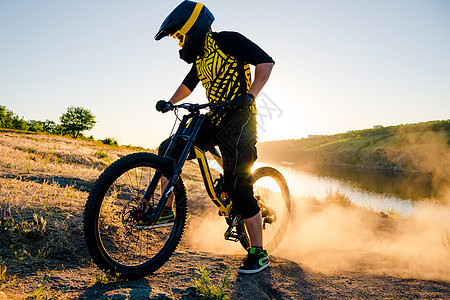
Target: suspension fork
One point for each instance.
(187, 131)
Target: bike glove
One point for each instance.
(243, 101)
(163, 106)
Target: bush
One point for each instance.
(440, 125)
(208, 290)
(109, 141)
(35, 126)
(100, 154)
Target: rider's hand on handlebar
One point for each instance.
(163, 106)
(242, 101)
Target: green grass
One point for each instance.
(100, 154)
(202, 283)
(106, 278)
(405, 147)
(367, 138)
(42, 291)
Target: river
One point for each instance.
(379, 190)
(384, 191)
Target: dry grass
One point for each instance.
(336, 197)
(44, 184)
(54, 155)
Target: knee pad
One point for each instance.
(240, 190)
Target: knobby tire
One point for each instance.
(116, 244)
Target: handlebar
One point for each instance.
(192, 107)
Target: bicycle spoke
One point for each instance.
(124, 242)
(140, 181)
(131, 184)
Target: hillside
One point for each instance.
(422, 147)
(332, 251)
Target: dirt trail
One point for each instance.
(283, 280)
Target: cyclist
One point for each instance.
(220, 60)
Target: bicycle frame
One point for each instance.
(219, 200)
(125, 233)
(187, 131)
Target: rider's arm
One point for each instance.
(237, 45)
(262, 73)
(181, 93)
(186, 87)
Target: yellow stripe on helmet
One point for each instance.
(192, 18)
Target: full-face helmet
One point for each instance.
(189, 22)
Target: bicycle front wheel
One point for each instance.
(272, 193)
(117, 243)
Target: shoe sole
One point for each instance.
(154, 226)
(253, 271)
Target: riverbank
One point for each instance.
(422, 147)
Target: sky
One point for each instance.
(339, 65)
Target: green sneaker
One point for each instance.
(257, 260)
(167, 218)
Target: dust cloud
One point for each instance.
(427, 152)
(333, 238)
(205, 233)
(329, 237)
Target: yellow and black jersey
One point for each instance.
(223, 68)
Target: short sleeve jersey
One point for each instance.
(223, 68)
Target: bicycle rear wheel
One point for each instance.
(118, 244)
(272, 193)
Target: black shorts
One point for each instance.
(235, 136)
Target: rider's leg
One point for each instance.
(257, 258)
(254, 229)
(240, 191)
(161, 150)
(169, 203)
(237, 139)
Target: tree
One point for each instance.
(19, 124)
(75, 120)
(49, 126)
(6, 117)
(36, 126)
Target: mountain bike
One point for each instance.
(121, 215)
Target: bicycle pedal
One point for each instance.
(232, 235)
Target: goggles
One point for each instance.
(180, 35)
